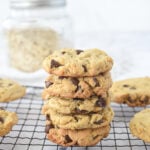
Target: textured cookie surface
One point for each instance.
(77, 105)
(7, 121)
(140, 125)
(71, 87)
(84, 137)
(93, 120)
(10, 90)
(75, 63)
(133, 92)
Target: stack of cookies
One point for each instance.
(77, 102)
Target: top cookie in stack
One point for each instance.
(78, 63)
(77, 106)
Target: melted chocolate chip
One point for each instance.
(75, 81)
(48, 84)
(132, 88)
(1, 108)
(146, 100)
(48, 127)
(55, 64)
(76, 118)
(48, 117)
(68, 139)
(78, 88)
(100, 102)
(96, 82)
(125, 85)
(130, 99)
(78, 99)
(1, 120)
(62, 77)
(10, 84)
(78, 111)
(98, 122)
(78, 51)
(95, 137)
(84, 68)
(63, 52)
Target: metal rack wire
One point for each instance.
(29, 133)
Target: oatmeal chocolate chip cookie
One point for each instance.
(77, 63)
(133, 92)
(91, 120)
(10, 90)
(71, 87)
(83, 137)
(140, 125)
(7, 121)
(77, 105)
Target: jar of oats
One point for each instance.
(34, 29)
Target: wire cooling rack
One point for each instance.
(29, 133)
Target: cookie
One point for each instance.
(133, 92)
(7, 121)
(140, 125)
(77, 105)
(10, 90)
(71, 87)
(84, 137)
(77, 63)
(91, 120)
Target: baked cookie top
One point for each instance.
(91, 120)
(76, 105)
(72, 87)
(134, 91)
(7, 120)
(10, 90)
(140, 125)
(76, 63)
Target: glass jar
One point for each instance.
(34, 29)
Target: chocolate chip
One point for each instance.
(78, 111)
(78, 51)
(10, 84)
(62, 77)
(63, 52)
(1, 120)
(75, 81)
(96, 82)
(125, 85)
(68, 139)
(76, 118)
(48, 83)
(95, 137)
(1, 108)
(48, 117)
(78, 99)
(146, 100)
(132, 88)
(48, 127)
(55, 64)
(98, 122)
(100, 102)
(84, 68)
(130, 99)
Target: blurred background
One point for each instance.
(120, 27)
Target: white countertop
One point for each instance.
(130, 51)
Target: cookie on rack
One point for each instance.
(10, 90)
(140, 125)
(133, 92)
(77, 63)
(72, 87)
(7, 121)
(84, 137)
(77, 105)
(91, 120)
